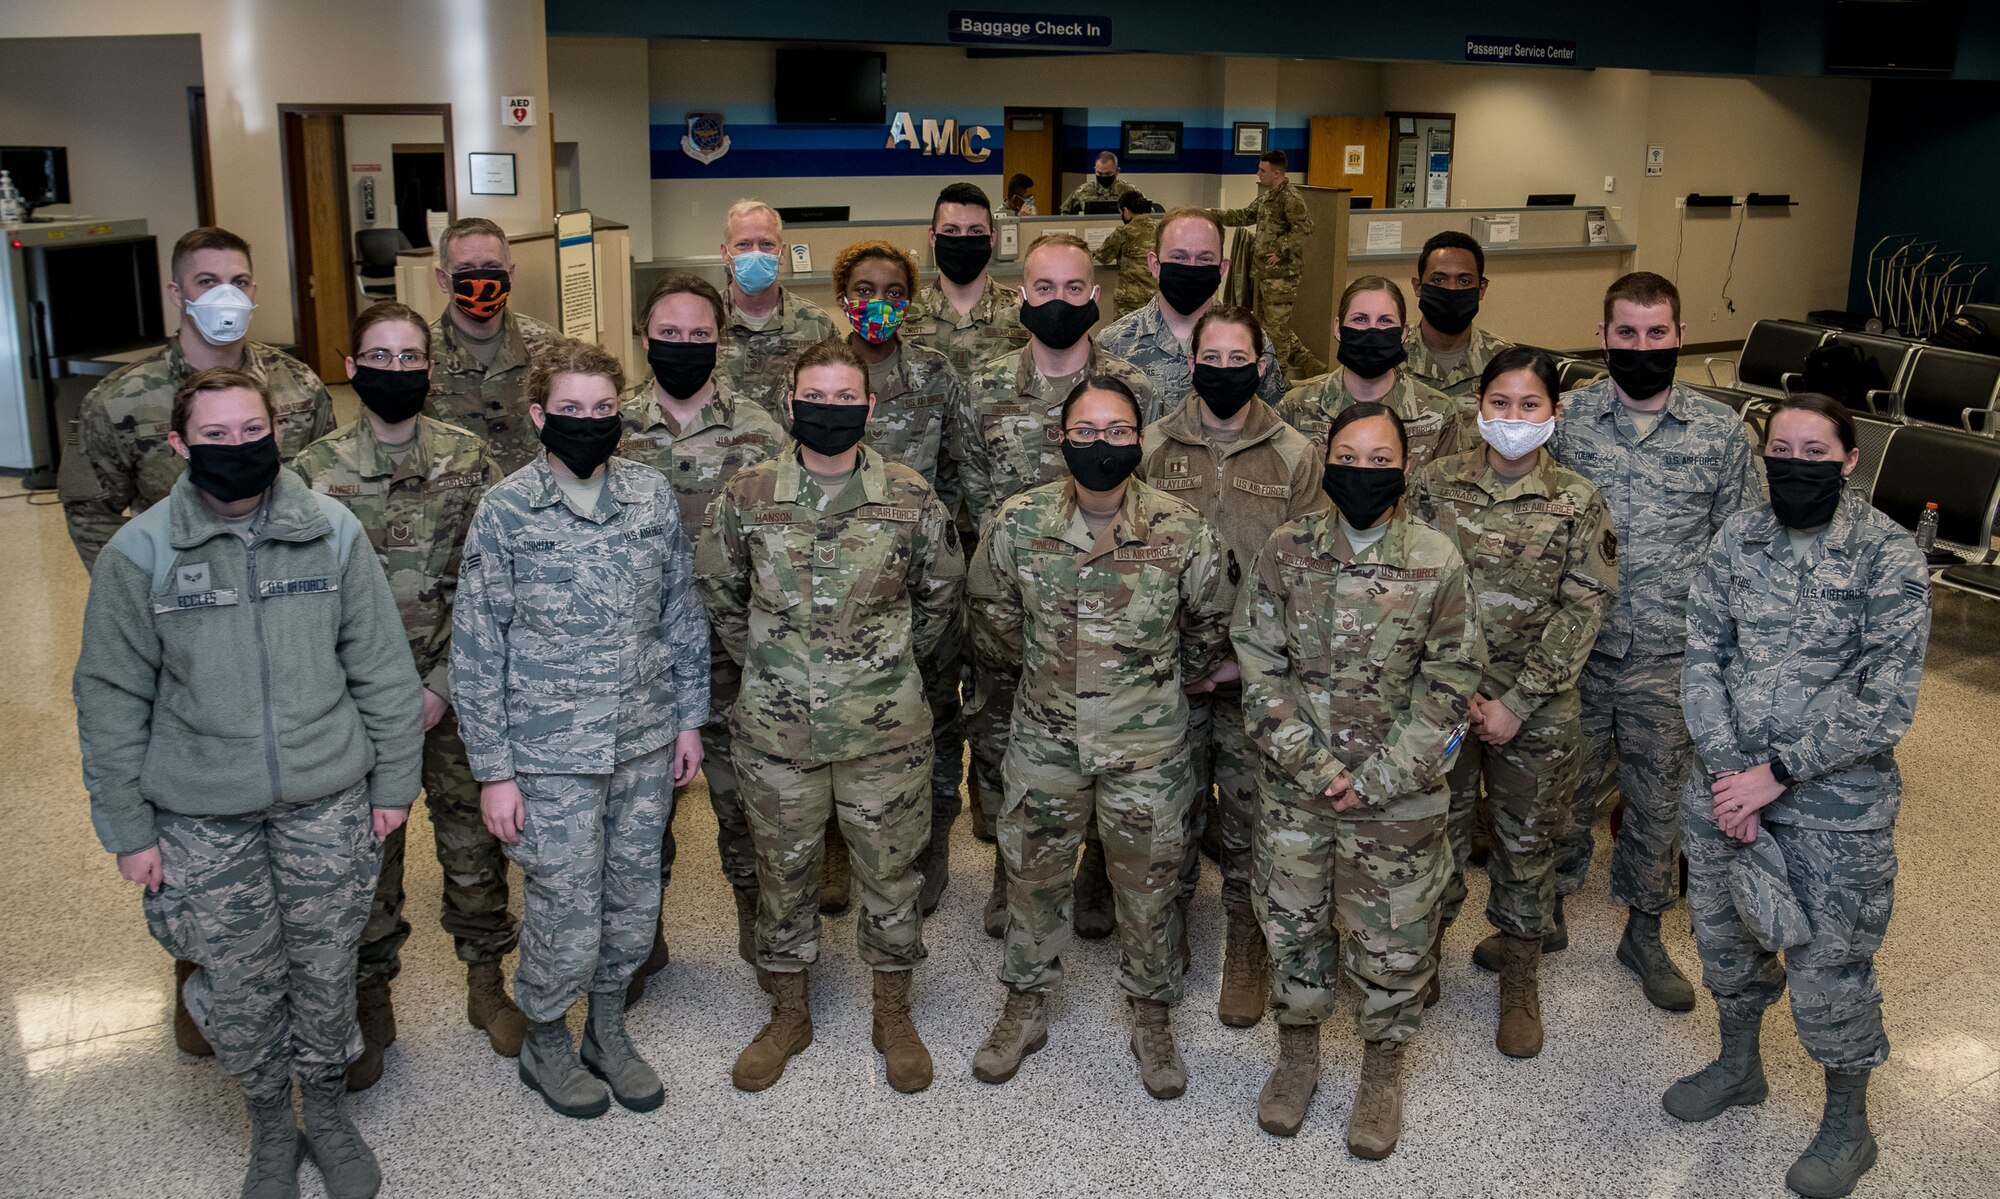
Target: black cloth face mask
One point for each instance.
(1362, 493)
(1448, 309)
(961, 258)
(682, 367)
(395, 396)
(1185, 287)
(1106, 180)
(234, 472)
(1371, 353)
(583, 443)
(1099, 466)
(1643, 374)
(1059, 324)
(1225, 389)
(1804, 494)
(828, 429)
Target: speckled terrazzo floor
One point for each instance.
(95, 1100)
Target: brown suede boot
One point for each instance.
(746, 923)
(836, 884)
(789, 1031)
(1376, 1123)
(187, 1034)
(489, 1008)
(1520, 1032)
(655, 962)
(1244, 971)
(377, 1017)
(1092, 914)
(996, 903)
(1160, 1066)
(935, 866)
(895, 1037)
(1281, 1106)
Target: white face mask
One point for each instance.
(221, 314)
(1516, 438)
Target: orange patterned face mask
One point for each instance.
(481, 294)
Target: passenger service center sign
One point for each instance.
(1027, 29)
(1520, 51)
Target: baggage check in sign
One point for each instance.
(1027, 29)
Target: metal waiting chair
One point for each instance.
(1944, 387)
(1773, 350)
(1884, 362)
(1960, 473)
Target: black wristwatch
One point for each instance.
(1779, 772)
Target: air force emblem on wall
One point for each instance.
(705, 141)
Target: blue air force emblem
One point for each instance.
(705, 141)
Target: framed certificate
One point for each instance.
(492, 174)
(1250, 139)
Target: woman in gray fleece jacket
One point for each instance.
(251, 727)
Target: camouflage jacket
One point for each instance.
(1282, 228)
(913, 407)
(1668, 492)
(1461, 381)
(969, 340)
(1544, 566)
(1812, 659)
(577, 637)
(1104, 632)
(1142, 338)
(1430, 419)
(831, 604)
(1246, 488)
(728, 435)
(1010, 435)
(119, 457)
(416, 513)
(757, 363)
(492, 403)
(1364, 662)
(1091, 191)
(1126, 248)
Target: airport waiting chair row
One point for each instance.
(1904, 380)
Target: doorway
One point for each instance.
(416, 179)
(1028, 147)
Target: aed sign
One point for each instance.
(1027, 29)
(1523, 51)
(517, 112)
(939, 137)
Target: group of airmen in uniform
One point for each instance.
(1156, 598)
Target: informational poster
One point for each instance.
(1357, 159)
(1656, 161)
(1094, 238)
(1385, 235)
(1437, 191)
(576, 275)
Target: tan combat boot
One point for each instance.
(1093, 915)
(489, 1008)
(1376, 1123)
(1160, 1064)
(1520, 1032)
(934, 864)
(1023, 1028)
(789, 1031)
(895, 1037)
(746, 923)
(1281, 1106)
(836, 883)
(656, 961)
(187, 1034)
(996, 903)
(377, 1017)
(1244, 971)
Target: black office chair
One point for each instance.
(1773, 349)
(1960, 473)
(1944, 387)
(375, 256)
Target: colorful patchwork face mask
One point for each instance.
(877, 320)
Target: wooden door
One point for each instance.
(1028, 147)
(1327, 149)
(322, 261)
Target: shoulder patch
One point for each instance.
(1609, 548)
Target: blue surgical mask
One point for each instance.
(754, 271)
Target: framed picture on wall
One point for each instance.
(1150, 141)
(493, 174)
(1250, 138)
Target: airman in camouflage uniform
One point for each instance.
(119, 458)
(488, 399)
(1668, 490)
(1141, 337)
(968, 340)
(1126, 248)
(1283, 224)
(1459, 382)
(1430, 420)
(757, 363)
(1091, 191)
(1358, 666)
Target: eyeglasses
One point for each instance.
(1115, 435)
(380, 359)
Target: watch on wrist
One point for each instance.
(1779, 772)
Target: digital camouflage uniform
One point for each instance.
(416, 509)
(1126, 248)
(830, 603)
(757, 363)
(1010, 439)
(726, 436)
(1364, 663)
(1430, 419)
(1461, 381)
(1090, 191)
(1282, 228)
(1811, 657)
(489, 401)
(1544, 566)
(119, 458)
(1245, 487)
(578, 656)
(1143, 339)
(1102, 632)
(1668, 492)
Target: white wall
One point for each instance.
(371, 139)
(130, 152)
(598, 100)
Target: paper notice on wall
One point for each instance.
(576, 275)
(1094, 238)
(1385, 235)
(1357, 159)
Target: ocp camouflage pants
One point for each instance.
(1528, 783)
(473, 909)
(988, 722)
(1275, 296)
(1379, 878)
(941, 691)
(882, 803)
(732, 827)
(590, 856)
(1846, 882)
(1141, 814)
(270, 906)
(1224, 759)
(1633, 704)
